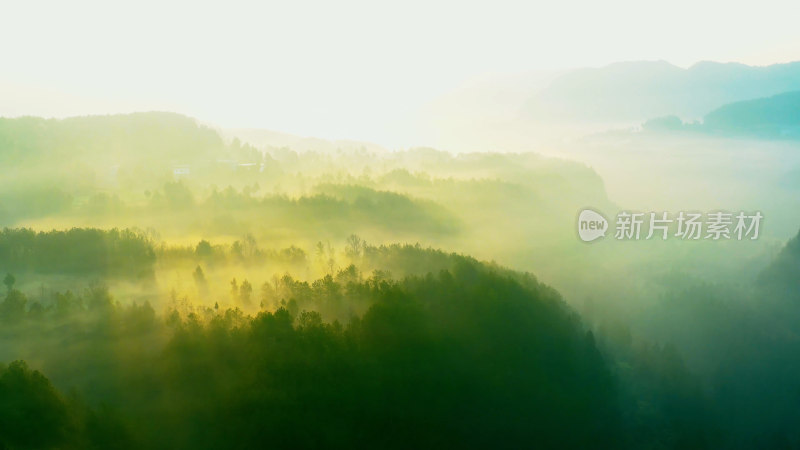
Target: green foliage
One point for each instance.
(783, 274)
(121, 253)
(469, 357)
(349, 344)
(9, 281)
(33, 415)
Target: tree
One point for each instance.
(234, 289)
(200, 281)
(353, 246)
(9, 281)
(268, 294)
(319, 252)
(237, 249)
(203, 249)
(249, 246)
(13, 307)
(32, 413)
(199, 276)
(245, 290)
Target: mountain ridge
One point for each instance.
(636, 90)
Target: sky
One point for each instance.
(344, 69)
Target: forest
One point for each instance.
(170, 287)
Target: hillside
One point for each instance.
(775, 117)
(112, 139)
(772, 117)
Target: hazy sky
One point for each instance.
(348, 68)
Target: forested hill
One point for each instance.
(775, 117)
(784, 272)
(469, 355)
(107, 139)
(771, 117)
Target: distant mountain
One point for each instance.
(772, 117)
(266, 139)
(775, 117)
(633, 91)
